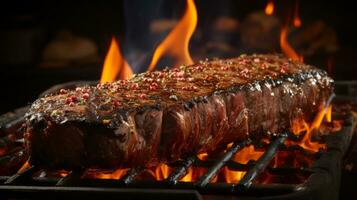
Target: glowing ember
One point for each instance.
(297, 21)
(176, 44)
(286, 47)
(269, 8)
(115, 66)
(63, 173)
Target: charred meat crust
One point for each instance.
(174, 121)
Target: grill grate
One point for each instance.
(25, 185)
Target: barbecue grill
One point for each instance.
(319, 181)
(46, 45)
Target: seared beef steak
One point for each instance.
(166, 115)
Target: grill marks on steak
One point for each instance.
(164, 116)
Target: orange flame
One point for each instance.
(25, 166)
(202, 156)
(297, 20)
(117, 174)
(300, 125)
(269, 8)
(176, 44)
(188, 177)
(286, 47)
(162, 172)
(115, 65)
(329, 114)
(243, 156)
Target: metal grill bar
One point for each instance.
(262, 163)
(181, 170)
(20, 177)
(71, 178)
(212, 172)
(129, 177)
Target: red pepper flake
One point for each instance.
(208, 78)
(264, 66)
(283, 69)
(191, 79)
(134, 86)
(148, 80)
(199, 68)
(160, 74)
(116, 103)
(244, 73)
(85, 96)
(153, 86)
(190, 88)
(181, 79)
(78, 89)
(143, 96)
(68, 101)
(71, 100)
(63, 91)
(180, 74)
(224, 68)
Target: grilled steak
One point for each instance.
(166, 115)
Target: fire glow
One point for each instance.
(115, 66)
(300, 126)
(286, 47)
(176, 44)
(243, 157)
(269, 8)
(296, 19)
(247, 154)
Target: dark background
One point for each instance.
(27, 27)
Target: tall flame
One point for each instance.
(286, 47)
(176, 44)
(115, 66)
(269, 8)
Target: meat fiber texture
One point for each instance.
(165, 116)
